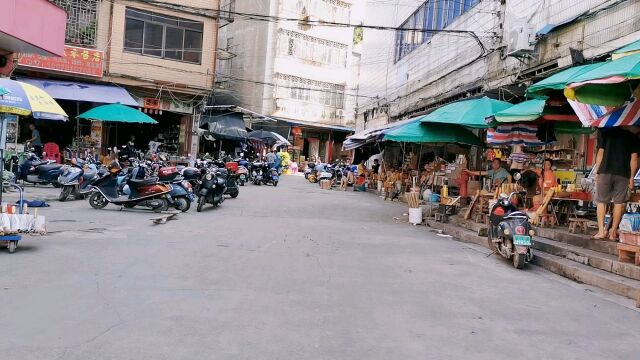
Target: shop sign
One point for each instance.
(76, 60)
(96, 133)
(166, 105)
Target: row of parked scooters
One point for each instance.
(145, 183)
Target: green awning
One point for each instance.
(572, 127)
(471, 113)
(630, 49)
(117, 112)
(559, 80)
(418, 132)
(525, 111)
(606, 85)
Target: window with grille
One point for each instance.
(163, 36)
(313, 91)
(431, 15)
(82, 21)
(310, 48)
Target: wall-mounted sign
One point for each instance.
(75, 61)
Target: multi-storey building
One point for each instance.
(158, 56)
(305, 76)
(454, 49)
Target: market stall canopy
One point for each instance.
(631, 49)
(369, 135)
(559, 80)
(529, 110)
(606, 85)
(71, 90)
(514, 134)
(269, 137)
(417, 132)
(228, 126)
(117, 112)
(23, 99)
(470, 113)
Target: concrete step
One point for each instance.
(588, 257)
(617, 284)
(587, 275)
(607, 247)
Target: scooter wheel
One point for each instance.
(275, 183)
(518, 260)
(56, 184)
(183, 204)
(64, 194)
(97, 201)
(164, 205)
(235, 194)
(201, 202)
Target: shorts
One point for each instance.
(612, 188)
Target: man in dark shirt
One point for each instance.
(617, 163)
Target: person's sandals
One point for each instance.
(613, 236)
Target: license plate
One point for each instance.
(521, 240)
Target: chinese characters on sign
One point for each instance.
(76, 61)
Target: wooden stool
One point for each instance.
(629, 254)
(578, 224)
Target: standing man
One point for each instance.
(497, 174)
(271, 158)
(35, 140)
(616, 163)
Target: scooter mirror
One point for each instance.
(517, 177)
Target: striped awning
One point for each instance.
(514, 134)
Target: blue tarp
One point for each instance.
(552, 27)
(77, 91)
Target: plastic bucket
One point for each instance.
(415, 215)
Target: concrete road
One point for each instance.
(292, 272)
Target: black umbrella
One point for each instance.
(225, 126)
(269, 137)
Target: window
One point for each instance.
(431, 15)
(163, 36)
(305, 47)
(82, 21)
(318, 92)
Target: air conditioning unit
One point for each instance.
(521, 39)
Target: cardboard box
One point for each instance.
(325, 184)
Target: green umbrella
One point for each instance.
(471, 113)
(559, 80)
(607, 84)
(117, 112)
(417, 132)
(525, 111)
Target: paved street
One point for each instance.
(292, 272)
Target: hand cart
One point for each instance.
(11, 241)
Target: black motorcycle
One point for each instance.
(36, 171)
(510, 231)
(211, 188)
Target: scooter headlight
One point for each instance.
(507, 232)
(208, 177)
(532, 232)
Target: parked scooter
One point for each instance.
(36, 171)
(212, 187)
(144, 192)
(76, 181)
(310, 173)
(510, 231)
(181, 194)
(243, 171)
(257, 172)
(270, 175)
(329, 173)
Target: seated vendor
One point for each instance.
(547, 179)
(497, 174)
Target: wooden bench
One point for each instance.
(629, 254)
(576, 224)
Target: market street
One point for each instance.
(291, 272)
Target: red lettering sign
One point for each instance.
(75, 61)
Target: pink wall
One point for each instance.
(32, 26)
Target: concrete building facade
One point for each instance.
(304, 75)
(488, 47)
(162, 53)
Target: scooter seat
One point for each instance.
(89, 174)
(136, 183)
(49, 167)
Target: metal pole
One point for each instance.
(3, 141)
